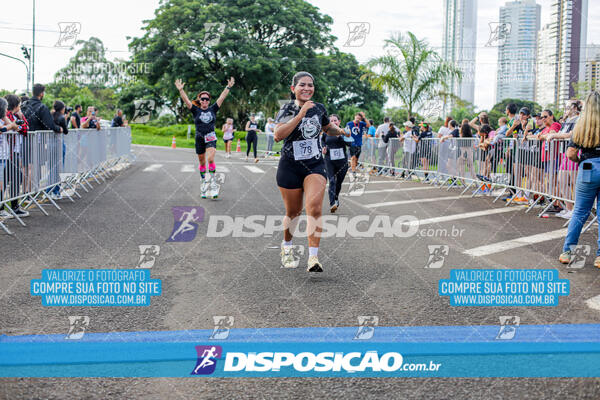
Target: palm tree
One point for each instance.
(411, 71)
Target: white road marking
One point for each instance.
(188, 168)
(152, 168)
(254, 169)
(413, 201)
(455, 217)
(368, 183)
(514, 243)
(394, 190)
(593, 303)
(194, 168)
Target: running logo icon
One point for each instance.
(366, 327)
(499, 33)
(213, 32)
(437, 254)
(185, 225)
(358, 184)
(77, 327)
(148, 254)
(207, 359)
(297, 254)
(223, 323)
(508, 327)
(68, 33)
(143, 111)
(579, 254)
(357, 33)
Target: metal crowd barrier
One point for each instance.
(539, 168)
(42, 162)
(267, 144)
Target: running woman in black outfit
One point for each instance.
(205, 117)
(301, 168)
(336, 161)
(251, 138)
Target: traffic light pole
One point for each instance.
(26, 68)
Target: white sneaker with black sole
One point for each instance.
(314, 265)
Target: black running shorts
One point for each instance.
(291, 173)
(201, 145)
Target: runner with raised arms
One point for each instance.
(301, 168)
(205, 116)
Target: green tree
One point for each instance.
(337, 76)
(89, 67)
(410, 71)
(261, 44)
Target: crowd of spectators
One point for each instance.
(21, 115)
(523, 151)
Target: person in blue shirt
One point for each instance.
(358, 128)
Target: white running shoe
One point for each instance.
(287, 257)
(214, 188)
(567, 214)
(314, 265)
(5, 214)
(203, 188)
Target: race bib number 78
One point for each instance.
(305, 149)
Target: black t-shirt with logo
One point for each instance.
(205, 119)
(309, 128)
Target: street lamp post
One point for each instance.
(25, 64)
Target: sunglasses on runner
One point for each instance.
(204, 99)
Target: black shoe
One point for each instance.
(21, 213)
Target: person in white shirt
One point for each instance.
(270, 131)
(381, 131)
(410, 146)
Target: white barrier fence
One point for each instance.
(539, 168)
(43, 165)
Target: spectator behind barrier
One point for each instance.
(584, 149)
(5, 126)
(37, 113)
(20, 154)
(76, 117)
(90, 121)
(118, 120)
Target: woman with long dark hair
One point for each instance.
(205, 116)
(301, 171)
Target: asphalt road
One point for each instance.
(241, 277)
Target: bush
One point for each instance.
(177, 130)
(163, 121)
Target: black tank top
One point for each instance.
(252, 127)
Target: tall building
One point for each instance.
(546, 84)
(520, 22)
(592, 67)
(566, 35)
(459, 46)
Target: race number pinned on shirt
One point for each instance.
(336, 154)
(305, 149)
(210, 137)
